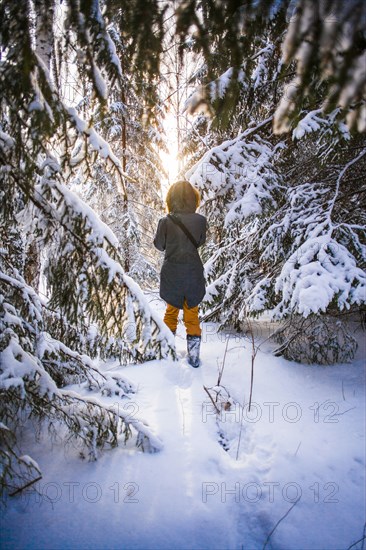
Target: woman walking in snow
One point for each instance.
(182, 283)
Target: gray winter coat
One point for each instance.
(181, 276)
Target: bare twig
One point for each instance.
(223, 362)
(279, 521)
(343, 390)
(298, 447)
(357, 541)
(240, 432)
(20, 489)
(344, 412)
(254, 353)
(362, 539)
(212, 401)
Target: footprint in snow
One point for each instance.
(186, 375)
(180, 374)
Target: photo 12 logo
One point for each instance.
(272, 411)
(270, 491)
(90, 492)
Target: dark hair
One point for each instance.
(182, 197)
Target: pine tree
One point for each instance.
(283, 237)
(122, 124)
(92, 307)
(323, 44)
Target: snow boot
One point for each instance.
(193, 349)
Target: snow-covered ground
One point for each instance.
(299, 451)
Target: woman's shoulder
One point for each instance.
(193, 216)
(162, 224)
(201, 219)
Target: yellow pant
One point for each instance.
(190, 319)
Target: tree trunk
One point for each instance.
(44, 48)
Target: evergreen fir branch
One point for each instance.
(17, 472)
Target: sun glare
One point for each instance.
(170, 158)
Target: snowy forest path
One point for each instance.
(195, 495)
(191, 462)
